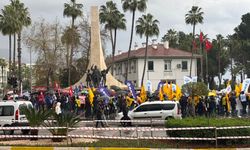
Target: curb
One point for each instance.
(104, 148)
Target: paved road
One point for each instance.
(110, 132)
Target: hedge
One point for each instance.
(209, 122)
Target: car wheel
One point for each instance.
(25, 132)
(125, 124)
(8, 132)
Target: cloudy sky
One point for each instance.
(221, 17)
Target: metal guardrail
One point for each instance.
(120, 129)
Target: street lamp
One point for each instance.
(30, 71)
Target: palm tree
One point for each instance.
(147, 26)
(67, 40)
(22, 19)
(3, 64)
(193, 17)
(133, 6)
(72, 10)
(172, 37)
(113, 20)
(7, 27)
(219, 39)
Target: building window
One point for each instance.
(134, 66)
(184, 65)
(167, 65)
(129, 67)
(150, 66)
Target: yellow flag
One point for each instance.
(91, 96)
(165, 89)
(170, 92)
(129, 100)
(143, 94)
(178, 92)
(161, 94)
(228, 103)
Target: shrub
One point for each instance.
(66, 119)
(209, 122)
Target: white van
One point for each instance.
(155, 110)
(11, 115)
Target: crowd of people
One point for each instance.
(217, 105)
(101, 107)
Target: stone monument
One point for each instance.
(96, 53)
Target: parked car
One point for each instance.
(11, 115)
(155, 110)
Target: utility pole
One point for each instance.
(30, 71)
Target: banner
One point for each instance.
(131, 88)
(188, 79)
(104, 91)
(194, 79)
(149, 86)
(160, 84)
(228, 89)
(245, 85)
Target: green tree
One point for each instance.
(194, 89)
(113, 20)
(172, 37)
(147, 26)
(133, 6)
(185, 40)
(3, 64)
(7, 27)
(72, 10)
(220, 42)
(240, 44)
(22, 19)
(44, 38)
(193, 17)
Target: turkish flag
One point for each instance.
(70, 91)
(208, 45)
(201, 37)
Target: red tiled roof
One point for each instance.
(159, 52)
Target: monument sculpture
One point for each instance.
(96, 60)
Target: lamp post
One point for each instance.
(30, 71)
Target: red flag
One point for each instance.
(70, 91)
(208, 45)
(194, 45)
(201, 37)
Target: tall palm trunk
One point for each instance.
(19, 61)
(71, 52)
(219, 66)
(10, 53)
(14, 56)
(130, 43)
(113, 51)
(190, 73)
(145, 61)
(2, 80)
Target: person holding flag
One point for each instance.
(143, 94)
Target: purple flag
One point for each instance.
(131, 88)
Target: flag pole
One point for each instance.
(206, 67)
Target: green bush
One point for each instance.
(209, 122)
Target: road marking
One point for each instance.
(31, 148)
(118, 148)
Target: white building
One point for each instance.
(163, 64)
(4, 71)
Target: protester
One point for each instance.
(58, 108)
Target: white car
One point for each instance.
(155, 110)
(11, 115)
